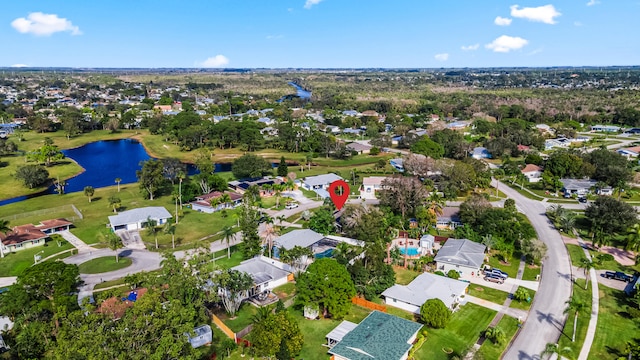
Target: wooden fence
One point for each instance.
(225, 329)
(368, 304)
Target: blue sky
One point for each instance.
(319, 33)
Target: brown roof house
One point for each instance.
(532, 172)
(29, 235)
(211, 202)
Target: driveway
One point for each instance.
(507, 286)
(131, 239)
(75, 241)
(614, 284)
(546, 319)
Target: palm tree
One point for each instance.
(181, 176)
(118, 180)
(225, 200)
(587, 265)
(89, 191)
(270, 233)
(277, 188)
(488, 241)
(567, 222)
(114, 202)
(633, 238)
(228, 234)
(170, 228)
(4, 228)
(214, 202)
(551, 349)
(280, 219)
(576, 306)
(152, 228)
(114, 242)
(495, 334)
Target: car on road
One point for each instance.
(496, 272)
(618, 275)
(582, 200)
(494, 278)
(291, 205)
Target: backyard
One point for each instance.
(489, 350)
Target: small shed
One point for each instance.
(203, 336)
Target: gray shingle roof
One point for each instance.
(260, 270)
(378, 336)
(303, 238)
(427, 286)
(321, 179)
(139, 215)
(461, 252)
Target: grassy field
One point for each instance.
(104, 264)
(461, 333)
(531, 272)
(489, 350)
(192, 225)
(243, 318)
(487, 293)
(615, 326)
(13, 264)
(511, 268)
(107, 284)
(583, 321)
(404, 276)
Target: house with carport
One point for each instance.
(136, 219)
(425, 287)
(462, 255)
(370, 186)
(27, 236)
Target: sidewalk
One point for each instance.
(75, 241)
(595, 303)
(514, 313)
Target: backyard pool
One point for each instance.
(411, 251)
(325, 254)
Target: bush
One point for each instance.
(439, 273)
(434, 313)
(453, 274)
(374, 151)
(521, 294)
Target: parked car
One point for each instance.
(582, 200)
(291, 205)
(496, 272)
(494, 278)
(618, 275)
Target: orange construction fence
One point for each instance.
(368, 304)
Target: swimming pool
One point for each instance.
(411, 251)
(325, 254)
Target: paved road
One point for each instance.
(75, 241)
(546, 318)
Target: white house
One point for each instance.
(371, 185)
(461, 255)
(425, 287)
(577, 186)
(532, 172)
(135, 219)
(266, 273)
(320, 183)
(630, 152)
(605, 128)
(203, 202)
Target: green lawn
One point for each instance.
(285, 291)
(583, 321)
(13, 264)
(576, 252)
(489, 350)
(236, 259)
(107, 284)
(315, 332)
(103, 264)
(531, 272)
(404, 276)
(511, 268)
(487, 293)
(615, 326)
(462, 331)
(523, 305)
(243, 318)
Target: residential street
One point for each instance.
(546, 317)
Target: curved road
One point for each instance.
(546, 318)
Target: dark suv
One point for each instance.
(618, 275)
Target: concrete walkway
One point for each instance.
(6, 281)
(595, 303)
(75, 241)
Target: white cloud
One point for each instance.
(500, 21)
(215, 61)
(271, 37)
(544, 14)
(470, 47)
(507, 43)
(442, 57)
(577, 23)
(19, 65)
(593, 2)
(40, 24)
(310, 3)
